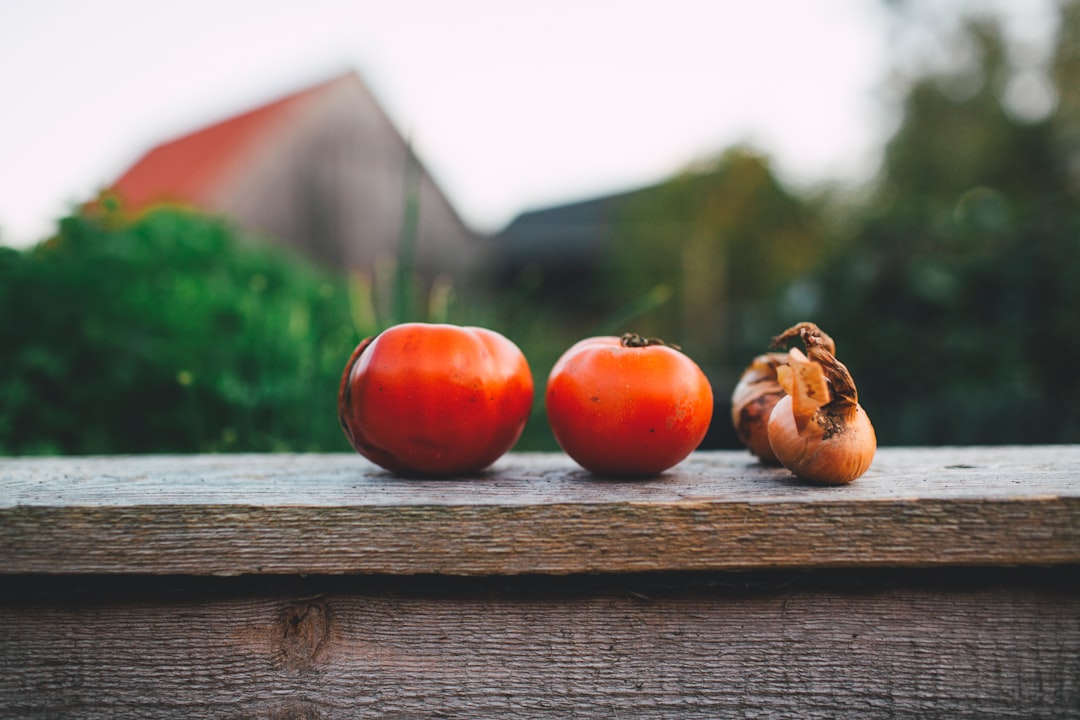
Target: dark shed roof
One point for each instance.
(575, 233)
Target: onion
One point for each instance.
(758, 391)
(818, 430)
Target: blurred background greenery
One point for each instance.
(952, 288)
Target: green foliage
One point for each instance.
(727, 241)
(956, 303)
(169, 333)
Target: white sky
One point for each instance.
(510, 105)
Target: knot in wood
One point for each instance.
(301, 635)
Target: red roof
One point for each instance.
(188, 170)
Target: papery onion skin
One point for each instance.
(818, 430)
(825, 452)
(758, 391)
(752, 401)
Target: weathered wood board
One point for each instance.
(792, 645)
(337, 514)
(944, 583)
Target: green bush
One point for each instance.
(955, 302)
(168, 333)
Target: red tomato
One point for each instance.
(422, 399)
(620, 406)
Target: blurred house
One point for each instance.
(565, 244)
(323, 170)
(562, 248)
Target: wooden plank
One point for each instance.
(331, 514)
(720, 646)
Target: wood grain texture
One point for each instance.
(709, 649)
(533, 513)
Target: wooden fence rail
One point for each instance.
(944, 583)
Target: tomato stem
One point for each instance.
(634, 340)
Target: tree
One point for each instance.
(728, 240)
(955, 301)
